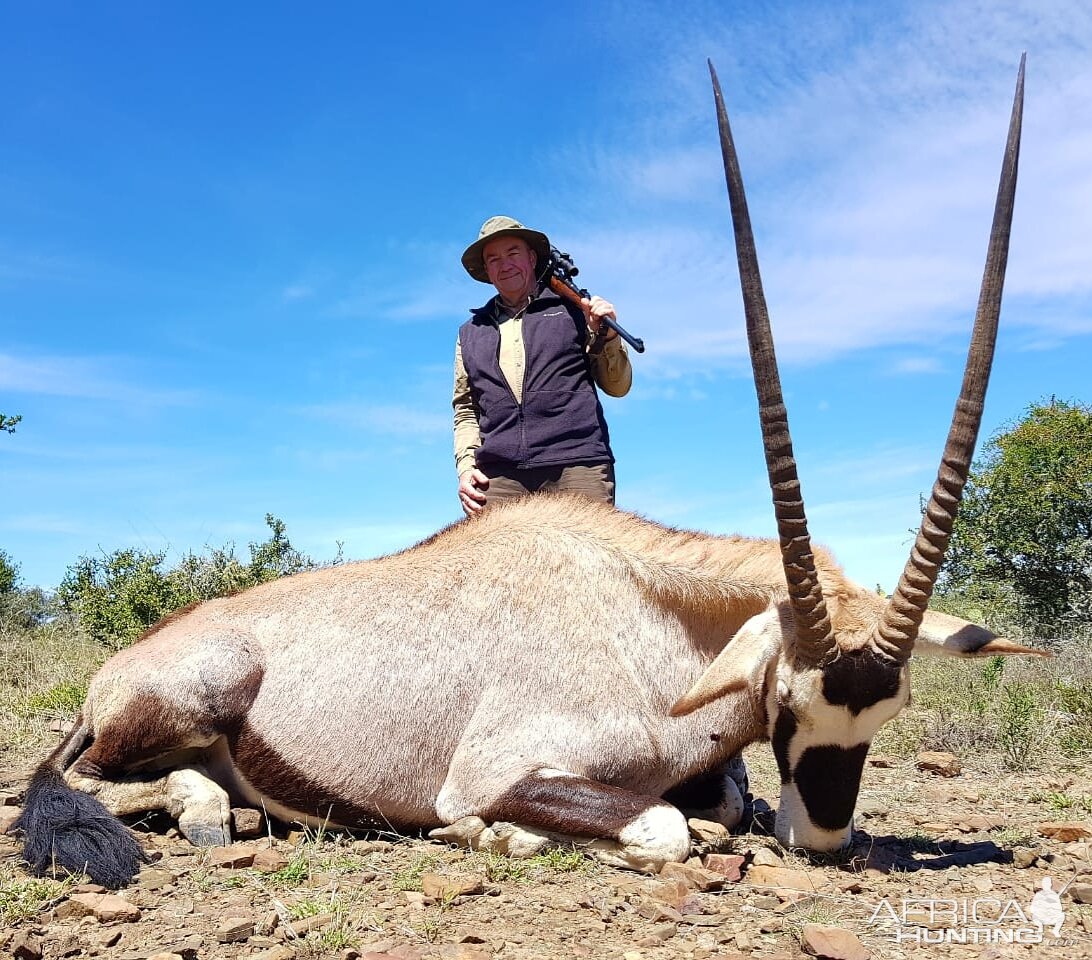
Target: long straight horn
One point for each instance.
(903, 615)
(814, 637)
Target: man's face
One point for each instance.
(510, 265)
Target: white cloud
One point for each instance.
(87, 377)
(403, 421)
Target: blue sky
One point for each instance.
(230, 239)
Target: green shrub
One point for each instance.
(119, 596)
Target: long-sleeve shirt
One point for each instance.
(610, 369)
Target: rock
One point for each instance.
(833, 943)
(279, 952)
(982, 884)
(105, 907)
(304, 926)
(446, 886)
(60, 726)
(231, 857)
(104, 939)
(461, 833)
(165, 956)
(697, 878)
(416, 900)
(765, 857)
(707, 831)
(234, 929)
(1065, 830)
(1081, 892)
(982, 822)
(8, 799)
(247, 822)
(464, 951)
(728, 865)
(154, 879)
(938, 762)
(881, 761)
(269, 922)
(25, 946)
(8, 816)
(658, 935)
(1023, 858)
(269, 861)
(779, 878)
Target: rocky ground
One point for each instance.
(946, 849)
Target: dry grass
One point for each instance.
(43, 676)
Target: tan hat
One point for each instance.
(503, 227)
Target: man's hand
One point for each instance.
(595, 310)
(471, 484)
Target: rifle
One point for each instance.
(561, 271)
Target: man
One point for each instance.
(527, 415)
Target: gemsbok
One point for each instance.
(554, 667)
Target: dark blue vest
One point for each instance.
(560, 421)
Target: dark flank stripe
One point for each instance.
(272, 776)
(570, 805)
(860, 679)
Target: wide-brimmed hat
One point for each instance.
(496, 227)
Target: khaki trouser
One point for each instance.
(593, 481)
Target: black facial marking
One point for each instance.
(828, 779)
(860, 679)
(784, 731)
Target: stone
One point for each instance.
(1023, 858)
(881, 761)
(832, 943)
(105, 907)
(231, 857)
(279, 952)
(304, 926)
(1065, 830)
(779, 878)
(983, 822)
(8, 799)
(707, 831)
(234, 929)
(247, 822)
(25, 946)
(446, 886)
(165, 955)
(8, 816)
(154, 879)
(697, 878)
(1081, 892)
(269, 861)
(765, 857)
(939, 762)
(728, 865)
(659, 934)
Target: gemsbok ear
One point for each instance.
(739, 666)
(942, 635)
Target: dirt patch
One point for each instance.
(936, 860)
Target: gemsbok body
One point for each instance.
(554, 665)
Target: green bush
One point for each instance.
(1021, 549)
(117, 597)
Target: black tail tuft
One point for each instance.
(65, 828)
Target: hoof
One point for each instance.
(203, 835)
